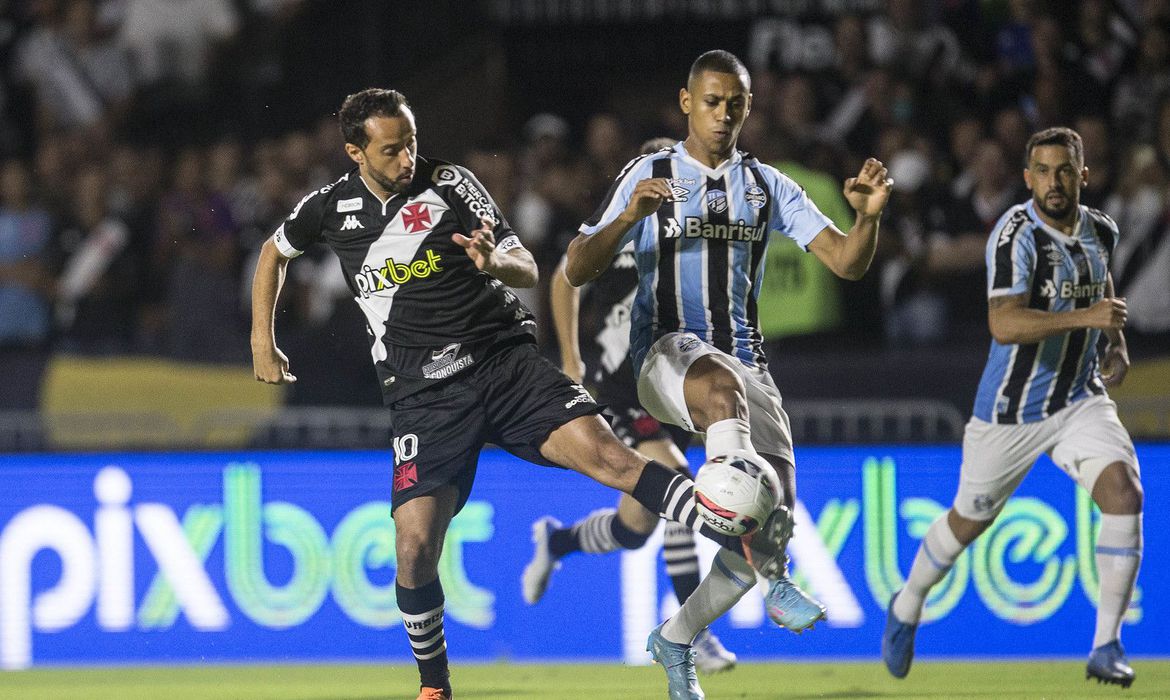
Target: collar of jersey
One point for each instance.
(681, 149)
(374, 194)
(1055, 232)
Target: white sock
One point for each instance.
(729, 579)
(1119, 554)
(727, 436)
(936, 555)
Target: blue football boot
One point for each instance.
(679, 662)
(1108, 664)
(897, 643)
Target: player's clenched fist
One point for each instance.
(647, 197)
(1110, 312)
(271, 366)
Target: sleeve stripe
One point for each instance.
(283, 246)
(1005, 250)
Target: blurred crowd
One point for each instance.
(115, 240)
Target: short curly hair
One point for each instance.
(360, 106)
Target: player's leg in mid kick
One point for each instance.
(687, 382)
(628, 527)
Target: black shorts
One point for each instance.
(514, 399)
(634, 424)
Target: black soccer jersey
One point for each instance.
(429, 312)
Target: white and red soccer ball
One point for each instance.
(736, 493)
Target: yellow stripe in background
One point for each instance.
(122, 402)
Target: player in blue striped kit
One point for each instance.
(699, 216)
(1050, 298)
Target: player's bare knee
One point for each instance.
(725, 397)
(714, 392)
(417, 557)
(1118, 490)
(967, 530)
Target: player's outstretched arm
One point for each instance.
(514, 267)
(849, 256)
(566, 304)
(589, 255)
(269, 364)
(1012, 323)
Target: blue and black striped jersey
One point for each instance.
(700, 258)
(1028, 382)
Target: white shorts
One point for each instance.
(660, 391)
(1081, 439)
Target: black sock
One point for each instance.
(422, 615)
(624, 536)
(663, 490)
(600, 532)
(562, 542)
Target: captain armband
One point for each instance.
(512, 241)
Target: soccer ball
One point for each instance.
(735, 494)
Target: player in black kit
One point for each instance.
(429, 258)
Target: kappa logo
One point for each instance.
(351, 222)
(416, 217)
(716, 201)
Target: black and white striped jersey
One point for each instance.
(604, 321)
(429, 312)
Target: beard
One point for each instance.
(391, 186)
(1054, 211)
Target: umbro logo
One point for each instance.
(351, 222)
(672, 229)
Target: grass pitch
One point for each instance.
(1009, 679)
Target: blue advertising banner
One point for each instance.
(289, 556)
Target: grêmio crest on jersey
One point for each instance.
(430, 312)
